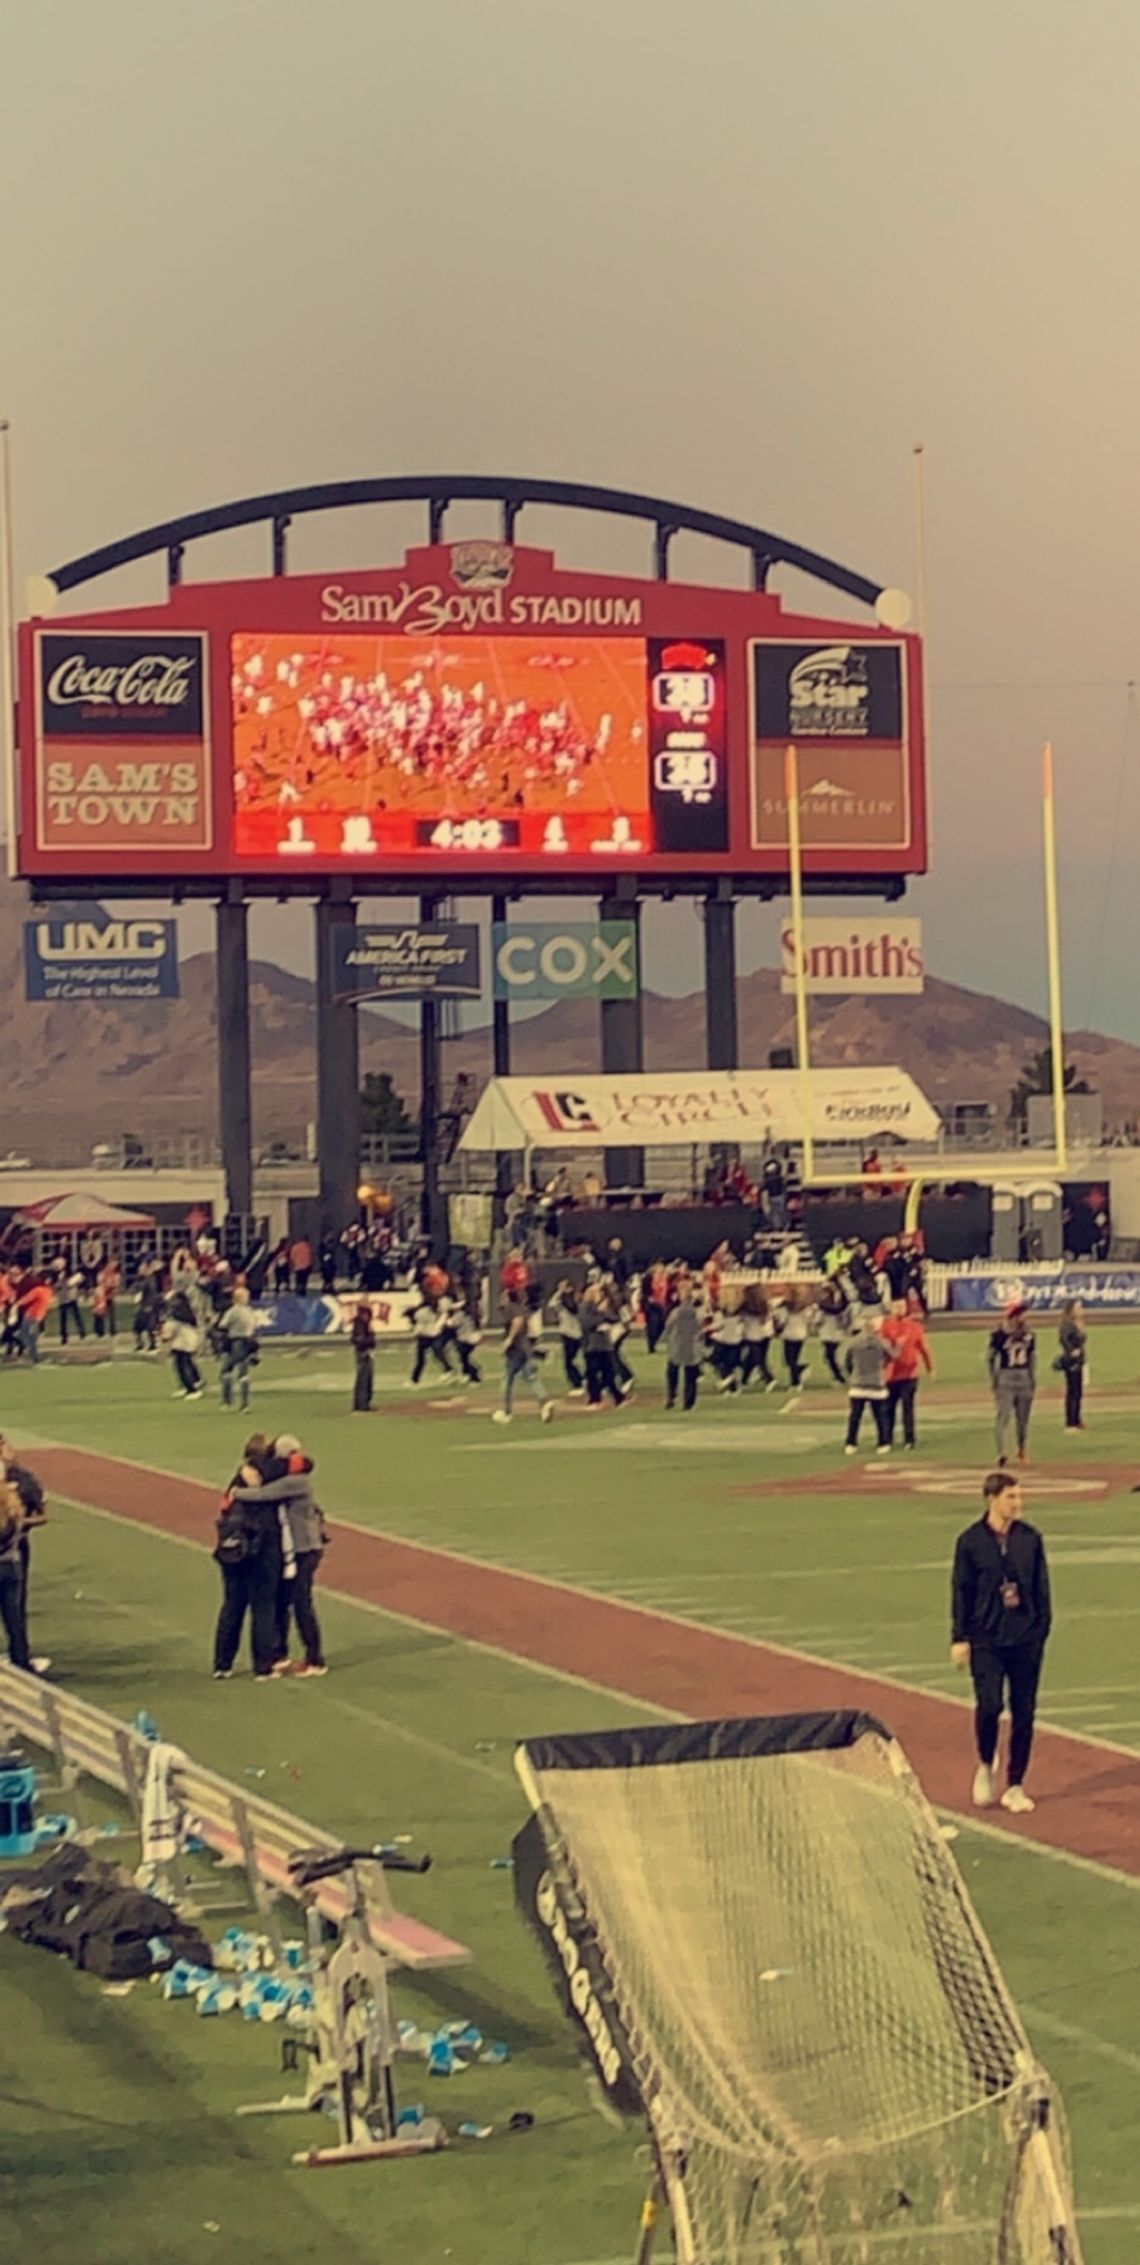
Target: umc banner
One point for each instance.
(95, 957)
(694, 1107)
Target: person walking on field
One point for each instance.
(521, 1365)
(68, 1307)
(1001, 1615)
(1071, 1362)
(682, 1342)
(1013, 1374)
(183, 1339)
(834, 1325)
(759, 1331)
(238, 1334)
(563, 1312)
(795, 1328)
(34, 1305)
(597, 1347)
(866, 1365)
(907, 1351)
(363, 1347)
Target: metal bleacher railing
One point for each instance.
(245, 1832)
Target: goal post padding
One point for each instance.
(768, 1951)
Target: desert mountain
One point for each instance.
(75, 1074)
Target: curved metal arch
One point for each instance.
(438, 490)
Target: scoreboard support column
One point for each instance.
(501, 1050)
(722, 1036)
(235, 1116)
(338, 1075)
(623, 1047)
(434, 1215)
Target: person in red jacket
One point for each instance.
(905, 1339)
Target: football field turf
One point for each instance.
(118, 2130)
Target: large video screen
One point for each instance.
(429, 749)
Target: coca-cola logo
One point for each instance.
(153, 680)
(101, 685)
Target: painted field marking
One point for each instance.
(1072, 2033)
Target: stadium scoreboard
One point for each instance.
(477, 713)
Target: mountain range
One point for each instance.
(97, 1070)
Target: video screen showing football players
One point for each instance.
(405, 746)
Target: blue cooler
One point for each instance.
(18, 1835)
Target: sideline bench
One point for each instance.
(240, 1828)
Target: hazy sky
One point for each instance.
(744, 255)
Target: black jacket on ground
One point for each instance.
(984, 1563)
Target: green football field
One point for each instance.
(118, 2135)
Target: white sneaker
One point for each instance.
(882, 1450)
(41, 1662)
(984, 1789)
(850, 1450)
(499, 1415)
(577, 1392)
(772, 1384)
(547, 1411)
(1017, 1801)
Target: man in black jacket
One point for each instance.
(34, 1507)
(1001, 1617)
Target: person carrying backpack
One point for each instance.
(237, 1335)
(235, 1550)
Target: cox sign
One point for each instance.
(595, 960)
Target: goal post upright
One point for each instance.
(796, 873)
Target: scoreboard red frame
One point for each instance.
(477, 713)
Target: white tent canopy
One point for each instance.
(688, 1108)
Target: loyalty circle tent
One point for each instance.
(693, 1108)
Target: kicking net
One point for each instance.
(772, 1955)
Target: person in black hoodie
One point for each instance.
(236, 1550)
(1001, 1615)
